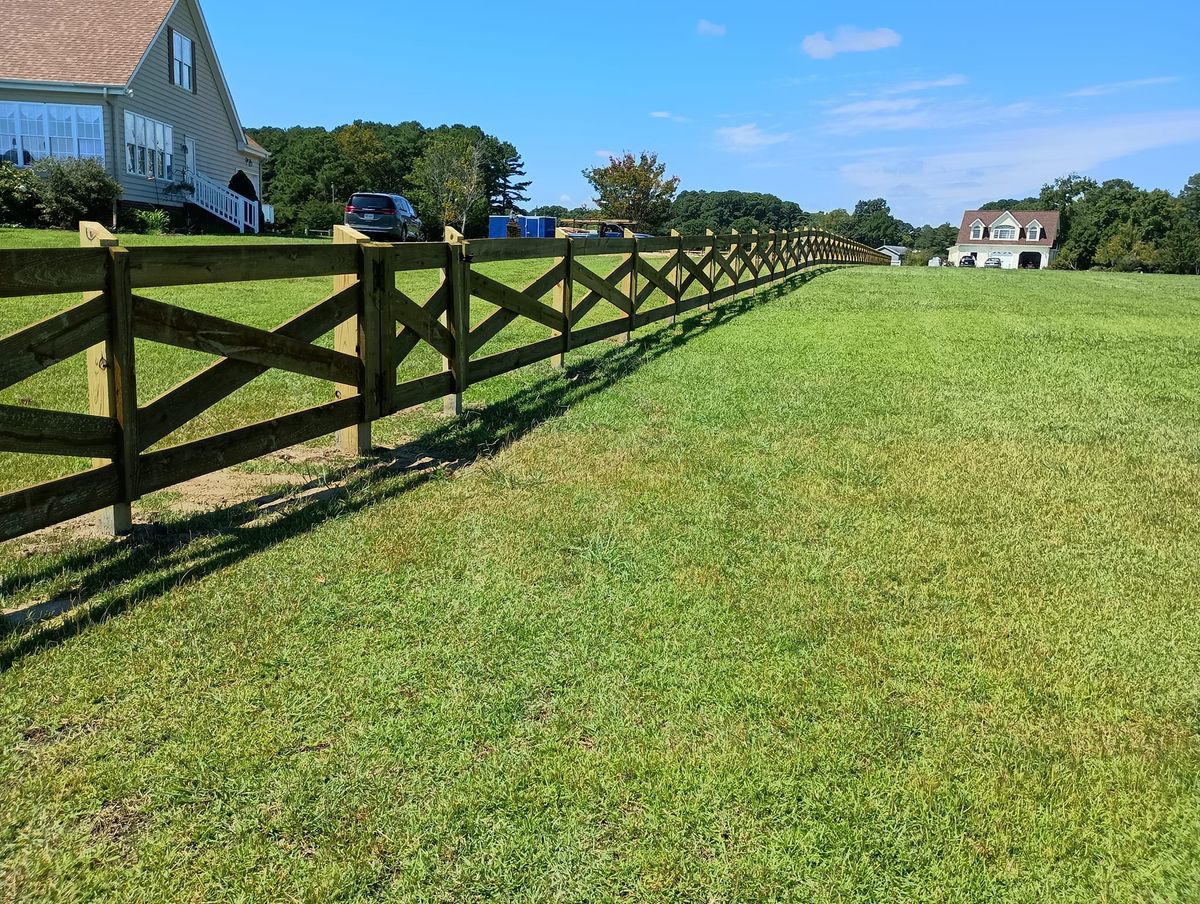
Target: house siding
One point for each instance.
(1008, 252)
(202, 116)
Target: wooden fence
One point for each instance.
(375, 325)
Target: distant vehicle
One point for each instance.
(605, 231)
(993, 263)
(389, 216)
(966, 262)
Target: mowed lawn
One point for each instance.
(881, 588)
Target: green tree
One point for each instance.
(694, 211)
(634, 188)
(1180, 251)
(872, 224)
(1013, 204)
(836, 221)
(505, 171)
(449, 178)
(1189, 198)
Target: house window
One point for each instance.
(1034, 232)
(976, 232)
(33, 132)
(29, 132)
(181, 49)
(148, 148)
(1004, 233)
(181, 53)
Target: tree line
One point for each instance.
(453, 174)
(458, 174)
(1118, 226)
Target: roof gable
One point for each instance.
(82, 42)
(1046, 219)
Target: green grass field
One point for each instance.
(881, 587)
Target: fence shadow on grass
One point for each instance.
(157, 558)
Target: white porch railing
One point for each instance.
(224, 202)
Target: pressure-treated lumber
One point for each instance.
(44, 504)
(199, 264)
(489, 289)
(350, 338)
(189, 329)
(563, 297)
(176, 464)
(458, 318)
(50, 271)
(184, 401)
(375, 325)
(58, 337)
(45, 432)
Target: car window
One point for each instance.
(371, 202)
(403, 205)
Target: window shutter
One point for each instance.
(195, 68)
(170, 55)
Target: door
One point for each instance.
(189, 155)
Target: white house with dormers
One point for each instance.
(136, 86)
(1022, 239)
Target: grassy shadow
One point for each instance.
(158, 558)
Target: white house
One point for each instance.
(136, 86)
(1026, 239)
(897, 253)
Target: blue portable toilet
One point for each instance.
(539, 227)
(497, 227)
(530, 227)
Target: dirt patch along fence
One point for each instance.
(375, 324)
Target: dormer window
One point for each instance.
(1004, 233)
(1034, 232)
(976, 231)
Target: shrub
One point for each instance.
(74, 190)
(19, 191)
(152, 222)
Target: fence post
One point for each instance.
(675, 234)
(112, 389)
(350, 337)
(737, 262)
(756, 256)
(562, 298)
(457, 317)
(629, 285)
(112, 377)
(714, 269)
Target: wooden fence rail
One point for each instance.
(376, 326)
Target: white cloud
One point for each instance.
(1114, 87)
(848, 39)
(950, 81)
(1001, 164)
(707, 29)
(666, 114)
(604, 154)
(904, 114)
(877, 106)
(564, 199)
(747, 138)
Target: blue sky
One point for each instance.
(935, 112)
